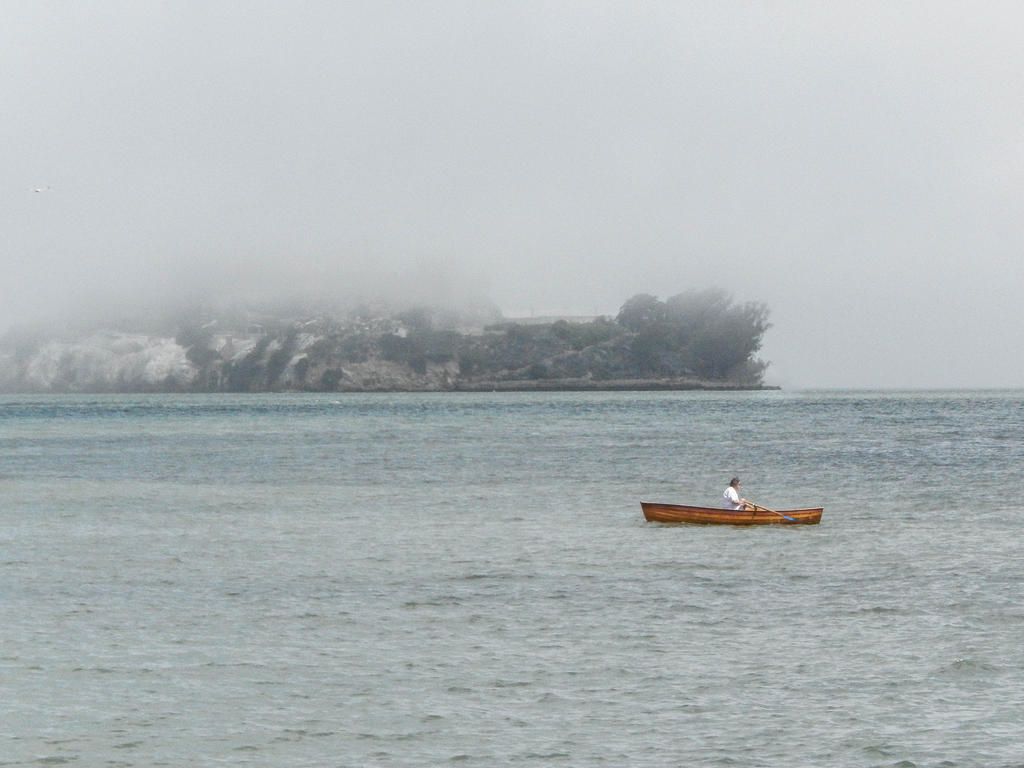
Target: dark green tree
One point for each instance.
(641, 311)
(696, 333)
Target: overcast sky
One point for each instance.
(859, 167)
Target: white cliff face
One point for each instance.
(313, 355)
(232, 347)
(119, 361)
(108, 360)
(303, 342)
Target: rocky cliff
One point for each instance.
(418, 350)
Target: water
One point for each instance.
(467, 580)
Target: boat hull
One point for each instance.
(679, 513)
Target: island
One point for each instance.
(699, 339)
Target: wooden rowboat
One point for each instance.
(678, 513)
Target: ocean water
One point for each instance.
(467, 580)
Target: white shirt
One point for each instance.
(731, 499)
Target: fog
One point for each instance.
(858, 168)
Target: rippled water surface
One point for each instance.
(467, 579)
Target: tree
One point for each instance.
(641, 311)
(698, 332)
(692, 310)
(724, 344)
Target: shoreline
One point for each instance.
(614, 385)
(515, 385)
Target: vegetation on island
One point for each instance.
(695, 337)
(699, 338)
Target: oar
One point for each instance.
(765, 509)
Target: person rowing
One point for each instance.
(731, 497)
